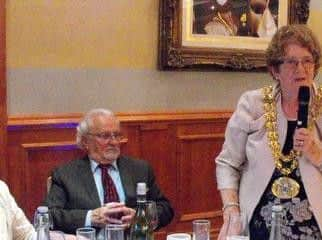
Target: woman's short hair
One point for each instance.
(86, 123)
(297, 33)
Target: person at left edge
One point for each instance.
(14, 224)
(76, 197)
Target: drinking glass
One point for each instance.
(152, 214)
(114, 232)
(86, 233)
(201, 229)
(57, 235)
(179, 236)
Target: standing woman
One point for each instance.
(266, 159)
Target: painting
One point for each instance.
(222, 34)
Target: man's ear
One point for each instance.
(85, 143)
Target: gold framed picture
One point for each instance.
(222, 34)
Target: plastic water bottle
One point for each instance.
(277, 222)
(42, 223)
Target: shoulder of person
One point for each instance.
(3, 186)
(141, 170)
(134, 162)
(252, 102)
(252, 95)
(4, 191)
(71, 165)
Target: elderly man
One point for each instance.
(101, 188)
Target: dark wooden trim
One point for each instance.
(193, 137)
(201, 215)
(73, 118)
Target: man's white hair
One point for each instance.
(86, 123)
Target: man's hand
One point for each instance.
(109, 214)
(128, 215)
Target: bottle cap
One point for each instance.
(277, 208)
(141, 188)
(42, 209)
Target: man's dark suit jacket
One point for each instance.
(73, 192)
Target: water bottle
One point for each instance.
(277, 218)
(42, 223)
(140, 228)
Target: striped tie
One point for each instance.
(110, 193)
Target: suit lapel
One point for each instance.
(127, 179)
(87, 179)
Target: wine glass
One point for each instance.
(152, 214)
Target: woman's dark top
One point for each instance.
(299, 221)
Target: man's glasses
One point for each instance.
(293, 63)
(108, 136)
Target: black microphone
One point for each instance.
(303, 110)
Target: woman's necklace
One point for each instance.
(285, 187)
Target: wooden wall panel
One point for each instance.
(180, 147)
(199, 198)
(39, 161)
(158, 147)
(3, 91)
(29, 146)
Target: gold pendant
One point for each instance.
(285, 188)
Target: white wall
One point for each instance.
(63, 56)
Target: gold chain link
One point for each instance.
(271, 125)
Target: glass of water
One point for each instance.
(201, 229)
(114, 232)
(85, 233)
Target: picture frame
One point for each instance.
(182, 47)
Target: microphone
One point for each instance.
(303, 110)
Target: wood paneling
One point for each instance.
(180, 147)
(3, 91)
(39, 160)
